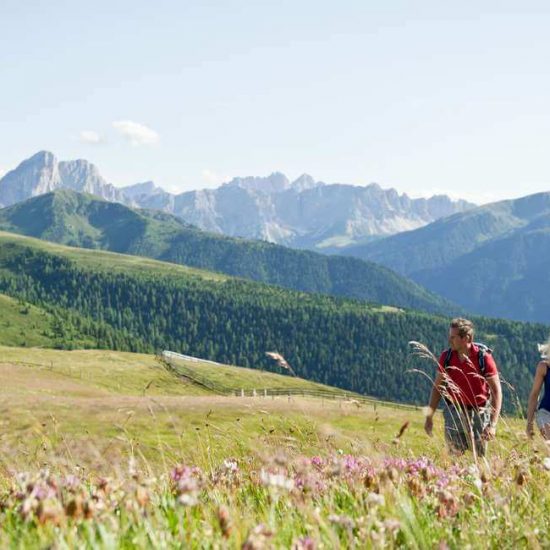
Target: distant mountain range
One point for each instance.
(67, 217)
(492, 260)
(302, 214)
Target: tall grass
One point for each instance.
(286, 501)
(101, 469)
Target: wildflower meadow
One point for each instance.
(116, 453)
(322, 501)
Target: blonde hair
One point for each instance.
(544, 349)
(465, 327)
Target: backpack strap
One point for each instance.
(447, 361)
(482, 351)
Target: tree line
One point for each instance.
(349, 344)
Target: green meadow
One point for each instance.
(62, 403)
(105, 449)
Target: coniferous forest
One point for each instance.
(350, 344)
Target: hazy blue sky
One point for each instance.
(425, 96)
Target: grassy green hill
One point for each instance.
(81, 220)
(24, 324)
(72, 402)
(142, 374)
(506, 277)
(126, 303)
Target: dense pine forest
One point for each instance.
(350, 344)
(82, 220)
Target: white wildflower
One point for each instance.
(276, 481)
(230, 465)
(188, 499)
(374, 499)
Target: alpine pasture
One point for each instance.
(116, 450)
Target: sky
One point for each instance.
(426, 97)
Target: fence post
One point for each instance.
(242, 392)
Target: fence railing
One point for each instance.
(169, 359)
(174, 355)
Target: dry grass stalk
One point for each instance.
(281, 361)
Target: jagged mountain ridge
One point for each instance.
(303, 213)
(77, 219)
(323, 217)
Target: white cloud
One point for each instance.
(91, 137)
(3, 172)
(212, 178)
(136, 133)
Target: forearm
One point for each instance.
(496, 405)
(531, 407)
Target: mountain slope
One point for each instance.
(82, 220)
(508, 277)
(135, 304)
(492, 260)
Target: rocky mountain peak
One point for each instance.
(34, 176)
(273, 183)
(305, 181)
(143, 188)
(42, 158)
(81, 175)
(42, 173)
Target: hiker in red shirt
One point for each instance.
(467, 379)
